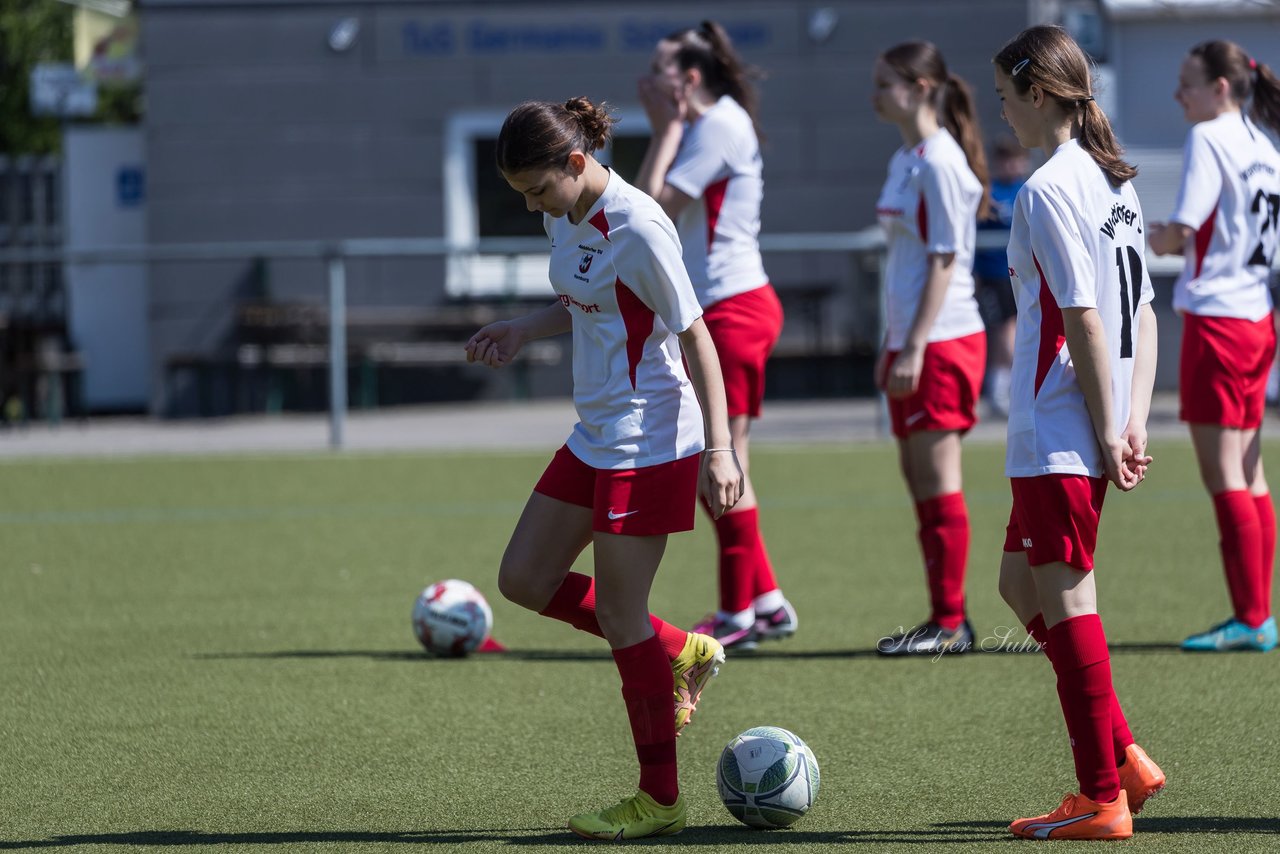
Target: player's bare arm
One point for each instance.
(904, 374)
(666, 118)
(721, 483)
(1087, 343)
(1167, 238)
(1144, 377)
(497, 343)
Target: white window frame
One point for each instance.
(469, 272)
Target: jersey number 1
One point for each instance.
(1269, 207)
(1130, 295)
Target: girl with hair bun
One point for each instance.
(1225, 224)
(643, 450)
(935, 347)
(703, 166)
(1083, 369)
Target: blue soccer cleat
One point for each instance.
(1233, 634)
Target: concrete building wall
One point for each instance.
(1146, 54)
(256, 129)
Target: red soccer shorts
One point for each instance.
(1055, 518)
(1223, 371)
(950, 384)
(745, 327)
(639, 502)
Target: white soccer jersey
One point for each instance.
(718, 165)
(929, 205)
(1076, 242)
(620, 276)
(1230, 196)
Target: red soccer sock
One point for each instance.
(738, 535)
(1121, 736)
(1083, 664)
(764, 581)
(1240, 538)
(575, 603)
(646, 689)
(1267, 523)
(944, 540)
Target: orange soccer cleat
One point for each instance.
(1077, 817)
(1139, 777)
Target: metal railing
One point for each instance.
(336, 253)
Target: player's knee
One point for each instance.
(609, 615)
(619, 621)
(1011, 591)
(1006, 593)
(518, 583)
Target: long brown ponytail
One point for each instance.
(538, 134)
(953, 102)
(709, 49)
(1049, 58)
(1246, 76)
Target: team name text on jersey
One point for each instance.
(1119, 214)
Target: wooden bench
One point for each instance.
(274, 342)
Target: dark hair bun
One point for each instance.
(596, 120)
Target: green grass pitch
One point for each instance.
(216, 655)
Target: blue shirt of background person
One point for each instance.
(1009, 165)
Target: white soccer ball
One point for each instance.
(451, 618)
(767, 777)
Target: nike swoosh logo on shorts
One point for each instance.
(914, 418)
(616, 516)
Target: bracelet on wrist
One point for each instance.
(713, 450)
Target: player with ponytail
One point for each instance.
(643, 450)
(935, 348)
(1225, 224)
(1083, 370)
(703, 165)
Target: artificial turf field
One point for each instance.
(215, 654)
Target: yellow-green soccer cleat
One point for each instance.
(634, 818)
(693, 668)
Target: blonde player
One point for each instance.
(642, 451)
(1083, 368)
(935, 349)
(1225, 223)
(703, 166)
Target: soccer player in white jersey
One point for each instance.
(703, 166)
(935, 349)
(1225, 223)
(1083, 369)
(642, 452)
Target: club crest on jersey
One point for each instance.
(585, 264)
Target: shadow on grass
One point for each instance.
(956, 832)
(409, 655)
(603, 655)
(165, 838)
(518, 655)
(1163, 824)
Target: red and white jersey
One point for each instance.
(1075, 242)
(718, 165)
(929, 205)
(1230, 197)
(620, 276)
